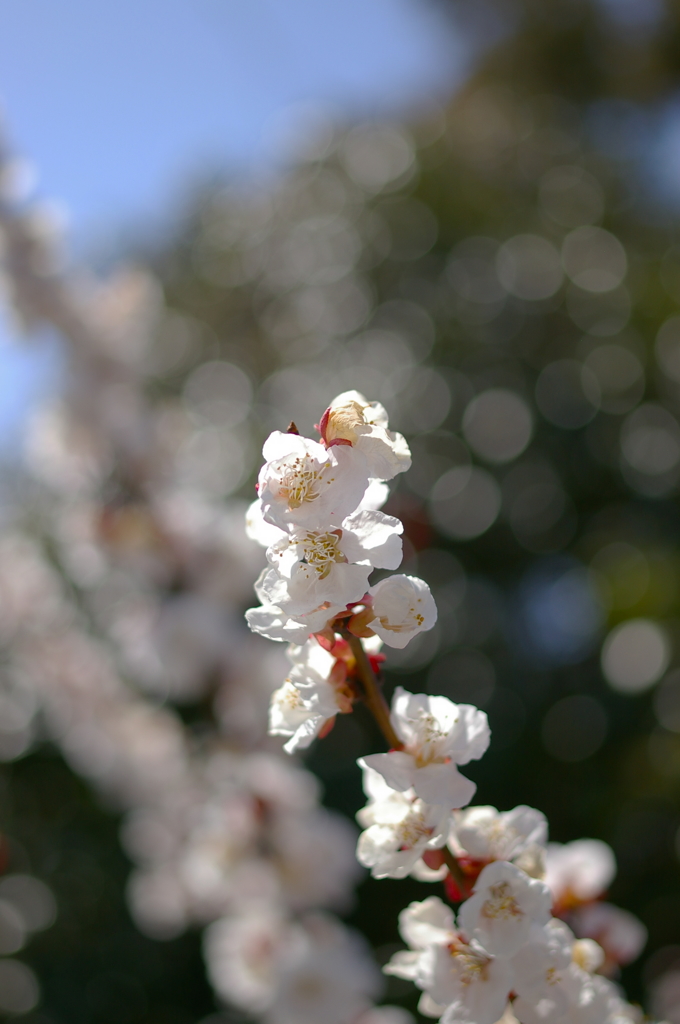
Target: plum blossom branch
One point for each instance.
(456, 872)
(509, 952)
(372, 691)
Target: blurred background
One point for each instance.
(467, 209)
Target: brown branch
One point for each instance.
(372, 694)
(456, 872)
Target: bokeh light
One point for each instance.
(497, 425)
(635, 655)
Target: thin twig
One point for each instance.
(456, 872)
(373, 697)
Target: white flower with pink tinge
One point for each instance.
(398, 828)
(472, 985)
(291, 972)
(299, 713)
(314, 856)
(376, 495)
(258, 529)
(458, 977)
(621, 934)
(437, 735)
(307, 700)
(278, 619)
(303, 484)
(322, 570)
(319, 562)
(403, 607)
(580, 871)
(247, 954)
(484, 834)
(577, 997)
(334, 980)
(540, 968)
(504, 905)
(352, 420)
(665, 995)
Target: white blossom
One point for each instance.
(246, 956)
(574, 996)
(403, 607)
(332, 979)
(376, 495)
(532, 860)
(621, 934)
(322, 570)
(437, 735)
(588, 955)
(379, 795)
(484, 834)
(314, 571)
(278, 617)
(426, 923)
(504, 905)
(308, 699)
(458, 977)
(314, 856)
(472, 985)
(400, 828)
(580, 871)
(258, 529)
(272, 621)
(351, 419)
(290, 973)
(421, 925)
(540, 965)
(468, 983)
(554, 1008)
(299, 715)
(305, 485)
(318, 557)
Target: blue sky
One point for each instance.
(119, 105)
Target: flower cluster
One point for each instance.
(318, 515)
(510, 937)
(579, 874)
(531, 941)
(505, 944)
(220, 837)
(130, 600)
